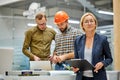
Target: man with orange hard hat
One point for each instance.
(64, 48)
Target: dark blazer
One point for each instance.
(100, 53)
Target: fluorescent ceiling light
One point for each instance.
(73, 21)
(31, 24)
(105, 12)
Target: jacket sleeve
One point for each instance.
(107, 52)
(75, 48)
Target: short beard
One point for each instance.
(64, 30)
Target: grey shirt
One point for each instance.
(88, 57)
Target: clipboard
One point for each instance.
(82, 64)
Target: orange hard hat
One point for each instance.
(60, 17)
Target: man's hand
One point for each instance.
(65, 57)
(61, 58)
(56, 59)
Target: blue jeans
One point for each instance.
(60, 66)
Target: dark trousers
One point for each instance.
(87, 78)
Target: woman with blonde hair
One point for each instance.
(94, 48)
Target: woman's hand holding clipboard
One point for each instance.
(82, 64)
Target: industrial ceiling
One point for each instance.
(83, 5)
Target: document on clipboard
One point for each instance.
(82, 64)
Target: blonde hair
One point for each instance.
(82, 19)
